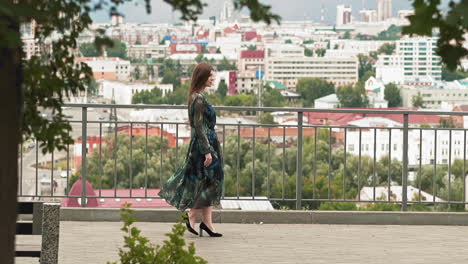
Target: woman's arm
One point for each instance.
(198, 121)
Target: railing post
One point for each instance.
(299, 162)
(404, 205)
(84, 124)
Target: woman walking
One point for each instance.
(198, 183)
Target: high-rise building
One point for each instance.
(415, 60)
(227, 12)
(384, 9)
(343, 14)
(368, 15)
(116, 20)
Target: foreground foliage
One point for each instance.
(138, 249)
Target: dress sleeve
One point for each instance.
(198, 120)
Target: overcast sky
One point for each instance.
(287, 9)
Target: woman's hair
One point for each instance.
(200, 75)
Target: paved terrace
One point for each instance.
(98, 242)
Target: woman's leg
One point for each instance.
(193, 214)
(207, 218)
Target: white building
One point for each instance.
(384, 9)
(227, 11)
(280, 50)
(427, 154)
(150, 50)
(415, 59)
(166, 116)
(289, 69)
(123, 92)
(230, 44)
(221, 76)
(375, 87)
(359, 46)
(343, 14)
(331, 101)
(327, 102)
(30, 45)
(434, 96)
(187, 59)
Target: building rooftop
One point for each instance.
(252, 54)
(275, 84)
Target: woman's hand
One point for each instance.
(208, 159)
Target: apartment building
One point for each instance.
(384, 9)
(288, 69)
(280, 50)
(251, 60)
(358, 46)
(415, 59)
(343, 14)
(108, 68)
(150, 50)
(437, 94)
(247, 82)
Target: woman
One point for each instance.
(198, 183)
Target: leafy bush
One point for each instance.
(338, 206)
(383, 207)
(139, 249)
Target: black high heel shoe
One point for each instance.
(211, 233)
(187, 223)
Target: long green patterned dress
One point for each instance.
(194, 185)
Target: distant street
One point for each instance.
(28, 175)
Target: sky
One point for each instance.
(287, 9)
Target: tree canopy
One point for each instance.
(352, 96)
(391, 33)
(392, 95)
(313, 88)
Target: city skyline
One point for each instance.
(301, 10)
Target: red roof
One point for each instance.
(228, 30)
(344, 118)
(203, 34)
(464, 108)
(252, 54)
(249, 35)
(261, 132)
(341, 119)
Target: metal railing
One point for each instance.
(332, 150)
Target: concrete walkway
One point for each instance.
(98, 242)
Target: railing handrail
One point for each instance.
(277, 109)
